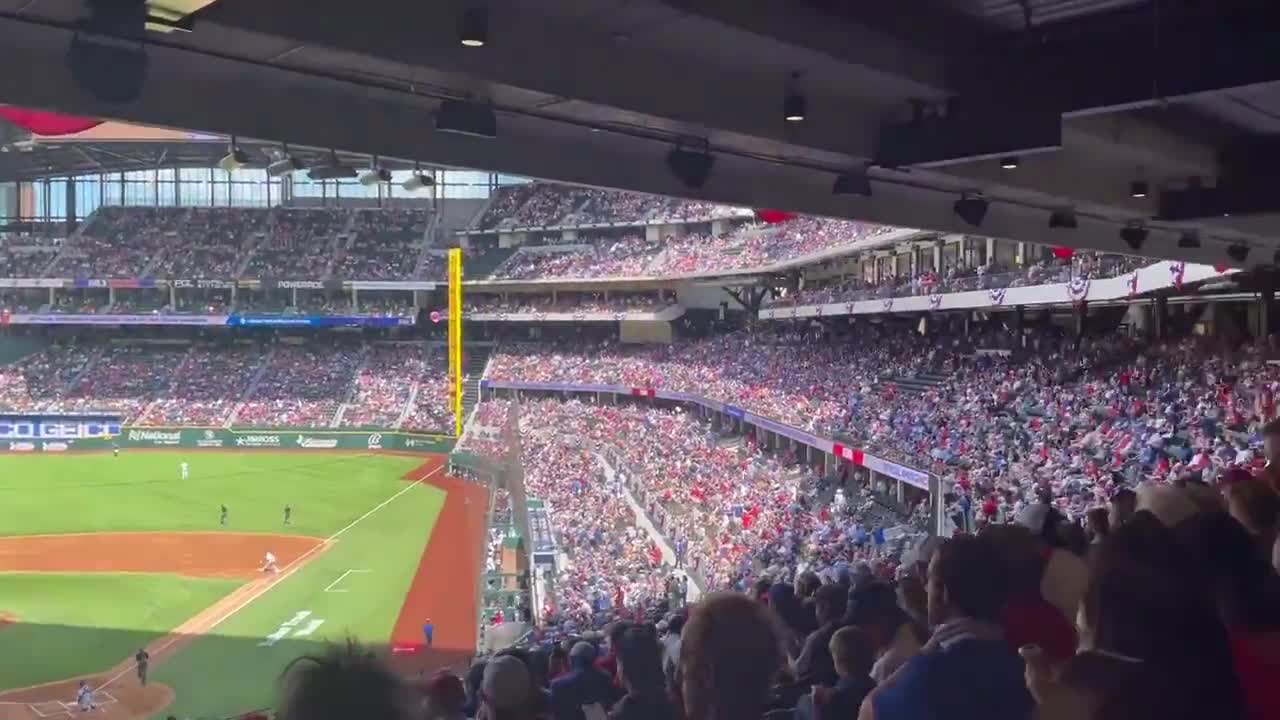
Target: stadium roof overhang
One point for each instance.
(1089, 95)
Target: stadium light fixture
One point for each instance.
(375, 176)
(1134, 235)
(418, 181)
(793, 104)
(972, 209)
(462, 117)
(1238, 252)
(1063, 220)
(692, 167)
(285, 164)
(234, 159)
(1138, 189)
(333, 170)
(852, 183)
(1009, 162)
(474, 31)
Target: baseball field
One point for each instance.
(102, 556)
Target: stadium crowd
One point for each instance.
(746, 247)
(550, 205)
(383, 385)
(957, 277)
(1000, 424)
(1170, 608)
(570, 302)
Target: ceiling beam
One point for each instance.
(187, 90)
(822, 27)
(564, 58)
(1130, 58)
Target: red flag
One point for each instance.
(47, 123)
(1063, 253)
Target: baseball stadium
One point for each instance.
(645, 360)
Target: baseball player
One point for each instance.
(269, 563)
(84, 697)
(115, 450)
(288, 513)
(140, 661)
(182, 470)
(223, 519)
(428, 631)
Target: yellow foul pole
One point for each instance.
(455, 337)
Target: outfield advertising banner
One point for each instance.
(173, 438)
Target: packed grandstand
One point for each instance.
(1108, 474)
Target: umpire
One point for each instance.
(141, 659)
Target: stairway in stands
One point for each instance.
(473, 365)
(919, 383)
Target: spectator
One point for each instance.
(1123, 506)
(730, 655)
(894, 638)
(1247, 595)
(347, 681)
(1256, 506)
(584, 686)
(444, 697)
(853, 655)
(814, 666)
(506, 691)
(1154, 647)
(967, 670)
(640, 669)
(671, 647)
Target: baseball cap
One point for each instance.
(506, 684)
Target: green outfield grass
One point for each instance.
(78, 624)
(141, 491)
(228, 671)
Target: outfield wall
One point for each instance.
(186, 438)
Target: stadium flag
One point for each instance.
(853, 455)
(773, 217)
(47, 123)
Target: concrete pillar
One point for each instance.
(1161, 319)
(173, 299)
(294, 294)
(355, 301)
(1081, 316)
(111, 296)
(899, 491)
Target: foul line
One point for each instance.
(329, 588)
(290, 568)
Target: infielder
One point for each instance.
(182, 470)
(429, 632)
(84, 697)
(269, 563)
